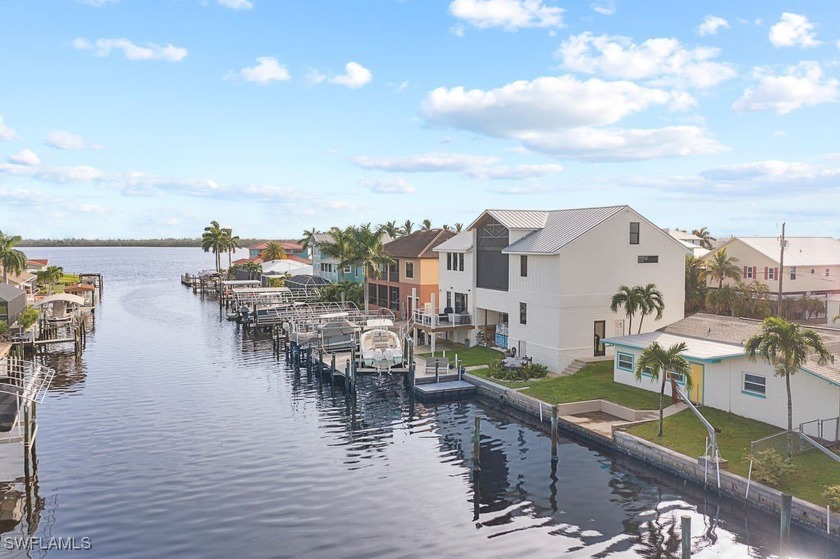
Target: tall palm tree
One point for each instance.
(341, 248)
(253, 269)
(50, 276)
(369, 253)
(391, 229)
(695, 287)
(308, 238)
(628, 298)
(213, 240)
(427, 224)
(459, 227)
(655, 361)
(721, 300)
(786, 346)
(650, 302)
(11, 258)
(721, 267)
(407, 227)
(706, 237)
(231, 243)
(273, 251)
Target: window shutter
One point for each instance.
(745, 272)
(776, 274)
(765, 272)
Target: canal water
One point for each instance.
(179, 435)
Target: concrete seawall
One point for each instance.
(805, 514)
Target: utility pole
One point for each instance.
(781, 270)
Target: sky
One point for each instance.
(150, 118)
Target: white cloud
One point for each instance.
(547, 104)
(266, 71)
(399, 87)
(6, 133)
(98, 3)
(604, 7)
(759, 169)
(592, 144)
(236, 4)
(71, 174)
(514, 172)
(457, 30)
(800, 86)
(25, 157)
(773, 178)
(793, 30)
(425, 163)
(91, 208)
(21, 198)
(397, 185)
(149, 51)
(523, 190)
(661, 61)
(61, 139)
(711, 25)
(507, 14)
(355, 75)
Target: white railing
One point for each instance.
(441, 320)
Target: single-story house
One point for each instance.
(12, 303)
(725, 379)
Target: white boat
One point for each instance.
(381, 347)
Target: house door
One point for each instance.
(600, 332)
(695, 393)
(411, 304)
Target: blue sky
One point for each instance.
(149, 118)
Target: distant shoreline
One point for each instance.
(158, 243)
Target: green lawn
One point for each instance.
(485, 373)
(685, 434)
(593, 382)
(468, 356)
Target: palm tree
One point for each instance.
(273, 251)
(628, 298)
(427, 224)
(721, 267)
(391, 229)
(721, 300)
(213, 240)
(459, 227)
(445, 227)
(706, 237)
(231, 243)
(650, 301)
(341, 248)
(252, 268)
(786, 346)
(655, 360)
(407, 227)
(11, 258)
(308, 238)
(695, 287)
(368, 252)
(50, 276)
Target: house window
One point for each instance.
(749, 272)
(770, 273)
(461, 262)
(449, 299)
(460, 302)
(827, 272)
(755, 385)
(523, 313)
(793, 272)
(679, 378)
(409, 269)
(624, 361)
(634, 232)
(648, 259)
(347, 269)
(523, 266)
(647, 372)
(448, 260)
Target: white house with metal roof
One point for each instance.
(812, 264)
(456, 276)
(725, 379)
(541, 282)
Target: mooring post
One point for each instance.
(437, 372)
(477, 445)
(685, 522)
(784, 535)
(554, 433)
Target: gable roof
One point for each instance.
(461, 242)
(321, 238)
(10, 292)
(515, 219)
(703, 350)
(561, 228)
(684, 236)
(287, 245)
(418, 244)
(800, 251)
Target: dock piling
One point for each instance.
(685, 523)
(784, 535)
(477, 445)
(554, 433)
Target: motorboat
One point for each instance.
(380, 346)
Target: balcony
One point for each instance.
(431, 321)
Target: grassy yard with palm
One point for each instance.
(467, 356)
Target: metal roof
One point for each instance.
(10, 292)
(67, 298)
(462, 242)
(703, 350)
(800, 251)
(561, 228)
(515, 219)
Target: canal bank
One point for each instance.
(814, 518)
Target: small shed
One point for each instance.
(12, 303)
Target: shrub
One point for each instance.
(529, 371)
(535, 370)
(770, 467)
(28, 317)
(3, 328)
(832, 495)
